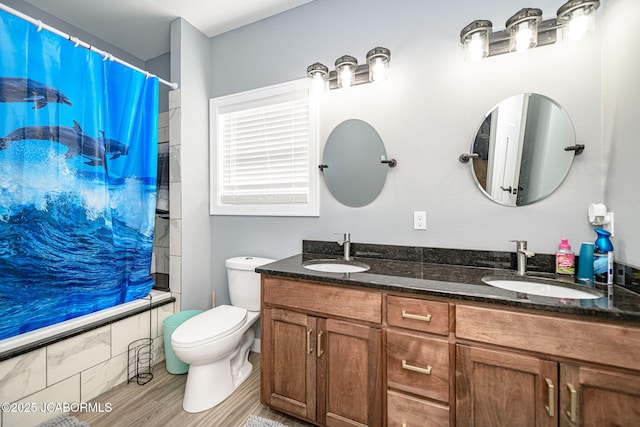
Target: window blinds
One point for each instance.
(264, 152)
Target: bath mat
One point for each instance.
(64, 420)
(255, 421)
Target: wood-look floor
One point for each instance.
(159, 403)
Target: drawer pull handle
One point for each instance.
(320, 352)
(426, 371)
(406, 315)
(309, 348)
(550, 389)
(572, 413)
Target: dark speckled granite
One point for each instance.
(450, 273)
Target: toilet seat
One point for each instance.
(209, 326)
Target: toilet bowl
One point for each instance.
(216, 343)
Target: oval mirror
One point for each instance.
(351, 163)
(520, 148)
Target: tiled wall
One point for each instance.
(161, 235)
(77, 369)
(175, 203)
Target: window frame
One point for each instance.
(254, 98)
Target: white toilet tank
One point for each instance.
(244, 282)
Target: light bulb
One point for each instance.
(379, 68)
(524, 38)
(346, 76)
(318, 82)
(476, 47)
(578, 25)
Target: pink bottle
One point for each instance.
(565, 259)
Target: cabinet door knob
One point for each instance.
(309, 348)
(572, 414)
(406, 315)
(426, 371)
(319, 345)
(550, 389)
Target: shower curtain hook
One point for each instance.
(108, 56)
(39, 25)
(75, 40)
(148, 74)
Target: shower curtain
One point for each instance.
(78, 159)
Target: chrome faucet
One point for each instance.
(522, 254)
(346, 243)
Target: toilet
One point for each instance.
(216, 343)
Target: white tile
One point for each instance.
(163, 134)
(174, 99)
(47, 403)
(175, 275)
(158, 350)
(175, 172)
(163, 119)
(73, 355)
(175, 204)
(125, 331)
(23, 375)
(178, 303)
(175, 137)
(175, 237)
(103, 377)
(163, 312)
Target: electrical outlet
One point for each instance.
(419, 220)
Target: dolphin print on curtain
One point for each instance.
(78, 159)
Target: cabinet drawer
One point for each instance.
(323, 299)
(408, 411)
(418, 365)
(419, 315)
(598, 342)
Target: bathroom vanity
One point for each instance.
(410, 343)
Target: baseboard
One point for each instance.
(256, 345)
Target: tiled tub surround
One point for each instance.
(76, 365)
(451, 273)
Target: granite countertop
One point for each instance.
(410, 274)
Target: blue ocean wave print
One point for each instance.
(78, 161)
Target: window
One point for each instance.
(264, 152)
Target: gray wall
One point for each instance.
(161, 67)
(621, 127)
(427, 113)
(72, 30)
(190, 68)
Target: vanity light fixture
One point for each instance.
(348, 73)
(526, 29)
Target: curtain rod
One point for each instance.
(77, 42)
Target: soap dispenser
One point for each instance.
(565, 259)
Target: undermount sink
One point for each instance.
(542, 287)
(335, 266)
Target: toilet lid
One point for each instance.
(210, 325)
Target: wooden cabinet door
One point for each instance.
(349, 374)
(288, 362)
(596, 397)
(500, 388)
